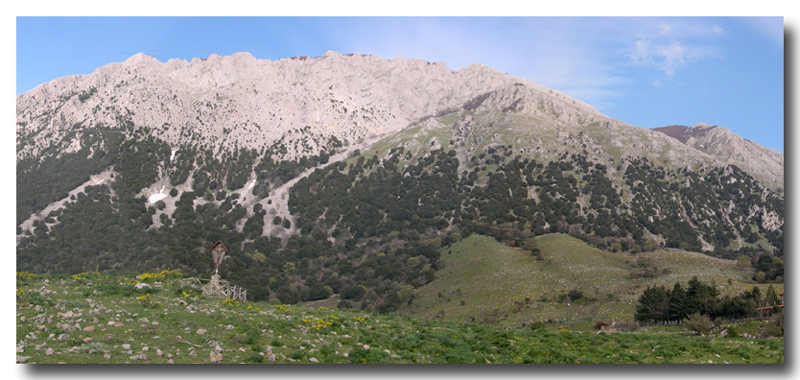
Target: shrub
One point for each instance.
(776, 322)
(700, 323)
(599, 325)
(537, 326)
(575, 294)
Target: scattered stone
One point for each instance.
(218, 348)
(215, 357)
(64, 337)
(139, 357)
(68, 314)
(50, 352)
(89, 328)
(170, 361)
(145, 348)
(229, 327)
(22, 319)
(107, 355)
(118, 324)
(366, 347)
(313, 360)
(159, 353)
(111, 323)
(155, 323)
(87, 340)
(126, 346)
(22, 359)
(141, 286)
(20, 348)
(201, 331)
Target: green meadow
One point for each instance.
(96, 318)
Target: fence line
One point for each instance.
(223, 289)
(571, 322)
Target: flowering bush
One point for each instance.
(146, 301)
(167, 273)
(22, 276)
(320, 324)
(231, 303)
(284, 308)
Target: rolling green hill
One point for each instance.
(483, 280)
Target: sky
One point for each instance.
(646, 71)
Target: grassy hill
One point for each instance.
(93, 318)
(486, 281)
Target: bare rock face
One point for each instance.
(241, 101)
(763, 163)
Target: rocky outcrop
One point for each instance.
(242, 101)
(761, 162)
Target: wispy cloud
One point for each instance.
(672, 45)
(588, 58)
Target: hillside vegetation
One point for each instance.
(485, 281)
(95, 318)
(368, 226)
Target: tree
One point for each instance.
(677, 303)
(531, 245)
(771, 297)
(653, 304)
(701, 297)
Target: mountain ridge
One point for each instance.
(346, 174)
(241, 101)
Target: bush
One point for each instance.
(700, 323)
(599, 325)
(776, 324)
(537, 326)
(575, 295)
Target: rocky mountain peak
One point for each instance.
(241, 101)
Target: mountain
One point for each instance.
(346, 174)
(723, 144)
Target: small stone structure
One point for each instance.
(218, 287)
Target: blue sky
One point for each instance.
(646, 71)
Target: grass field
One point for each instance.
(94, 318)
(486, 281)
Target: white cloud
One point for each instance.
(673, 44)
(588, 58)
